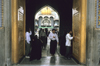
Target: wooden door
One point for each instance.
(18, 30)
(79, 30)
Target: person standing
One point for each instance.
(40, 32)
(28, 40)
(54, 41)
(46, 31)
(68, 45)
(43, 38)
(36, 48)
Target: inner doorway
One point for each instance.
(46, 19)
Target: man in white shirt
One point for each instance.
(68, 45)
(28, 39)
(54, 41)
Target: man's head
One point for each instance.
(29, 29)
(35, 36)
(53, 30)
(70, 32)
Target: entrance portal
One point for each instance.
(41, 21)
(46, 18)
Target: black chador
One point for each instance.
(36, 49)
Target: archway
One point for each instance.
(46, 18)
(65, 23)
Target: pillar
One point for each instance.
(40, 19)
(7, 32)
(92, 36)
(57, 21)
(36, 21)
(52, 21)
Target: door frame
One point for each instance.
(14, 20)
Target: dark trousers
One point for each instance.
(43, 38)
(27, 49)
(45, 43)
(53, 46)
(68, 52)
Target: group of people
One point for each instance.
(35, 45)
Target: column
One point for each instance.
(52, 21)
(7, 26)
(57, 21)
(36, 23)
(14, 31)
(39, 22)
(92, 37)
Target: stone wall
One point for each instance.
(2, 47)
(93, 36)
(5, 34)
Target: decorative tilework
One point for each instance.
(97, 13)
(1, 14)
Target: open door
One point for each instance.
(79, 30)
(18, 30)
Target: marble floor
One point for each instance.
(48, 60)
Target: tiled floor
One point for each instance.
(48, 60)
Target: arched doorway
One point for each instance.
(46, 18)
(65, 20)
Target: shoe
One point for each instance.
(27, 56)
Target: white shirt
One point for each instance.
(51, 36)
(28, 38)
(68, 40)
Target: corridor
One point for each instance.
(48, 60)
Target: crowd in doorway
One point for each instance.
(35, 44)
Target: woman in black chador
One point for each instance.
(36, 49)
